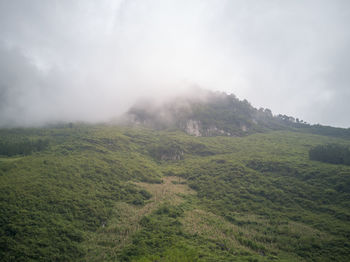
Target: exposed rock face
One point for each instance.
(174, 156)
(193, 127)
(214, 131)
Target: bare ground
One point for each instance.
(104, 244)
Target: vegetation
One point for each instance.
(331, 153)
(213, 114)
(219, 114)
(23, 146)
(106, 193)
(327, 131)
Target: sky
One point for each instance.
(89, 60)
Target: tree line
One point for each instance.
(22, 147)
(331, 153)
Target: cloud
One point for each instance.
(88, 60)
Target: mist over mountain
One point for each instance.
(202, 112)
(90, 61)
(206, 113)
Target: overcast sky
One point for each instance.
(90, 60)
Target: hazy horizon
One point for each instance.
(91, 60)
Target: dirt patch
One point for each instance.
(113, 236)
(216, 228)
(171, 190)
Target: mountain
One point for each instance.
(200, 178)
(207, 113)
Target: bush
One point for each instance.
(331, 153)
(22, 146)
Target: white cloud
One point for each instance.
(90, 60)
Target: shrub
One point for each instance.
(331, 153)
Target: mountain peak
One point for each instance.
(206, 113)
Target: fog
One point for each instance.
(90, 60)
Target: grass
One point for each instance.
(105, 193)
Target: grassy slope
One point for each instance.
(256, 198)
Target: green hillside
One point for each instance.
(113, 193)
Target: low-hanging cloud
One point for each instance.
(90, 60)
